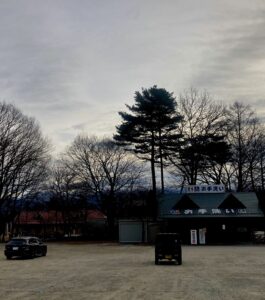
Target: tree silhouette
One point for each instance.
(105, 169)
(203, 129)
(24, 156)
(149, 128)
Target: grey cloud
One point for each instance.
(259, 103)
(74, 64)
(80, 126)
(228, 63)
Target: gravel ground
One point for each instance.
(112, 271)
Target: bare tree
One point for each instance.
(64, 193)
(261, 164)
(105, 168)
(244, 136)
(255, 152)
(23, 159)
(202, 130)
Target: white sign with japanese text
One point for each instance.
(209, 188)
(202, 233)
(193, 237)
(209, 211)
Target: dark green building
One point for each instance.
(210, 218)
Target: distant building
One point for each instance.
(55, 224)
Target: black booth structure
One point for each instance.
(211, 218)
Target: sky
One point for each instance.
(74, 64)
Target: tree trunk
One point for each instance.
(161, 164)
(111, 215)
(153, 177)
(240, 176)
(252, 177)
(262, 173)
(240, 162)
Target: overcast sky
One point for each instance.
(73, 64)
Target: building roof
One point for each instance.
(53, 217)
(209, 205)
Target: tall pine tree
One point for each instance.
(149, 128)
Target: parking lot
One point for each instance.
(112, 271)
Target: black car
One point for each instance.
(168, 246)
(25, 247)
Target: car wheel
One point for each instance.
(156, 260)
(8, 256)
(44, 253)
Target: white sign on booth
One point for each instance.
(205, 188)
(193, 237)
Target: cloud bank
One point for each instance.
(74, 64)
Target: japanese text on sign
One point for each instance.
(213, 188)
(211, 211)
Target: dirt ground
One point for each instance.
(112, 271)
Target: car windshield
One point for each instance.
(166, 239)
(18, 242)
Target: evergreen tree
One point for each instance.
(149, 128)
(204, 157)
